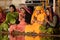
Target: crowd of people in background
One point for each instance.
(29, 20)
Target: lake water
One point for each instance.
(26, 37)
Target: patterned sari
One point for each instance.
(36, 21)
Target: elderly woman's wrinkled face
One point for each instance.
(11, 9)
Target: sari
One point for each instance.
(10, 19)
(19, 27)
(36, 20)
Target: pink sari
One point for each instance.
(18, 27)
(21, 26)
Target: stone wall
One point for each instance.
(17, 2)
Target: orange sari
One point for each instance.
(37, 21)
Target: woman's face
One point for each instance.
(22, 10)
(47, 12)
(11, 9)
(38, 11)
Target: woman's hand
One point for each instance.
(46, 20)
(40, 22)
(33, 21)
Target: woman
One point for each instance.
(28, 12)
(2, 16)
(51, 17)
(37, 20)
(23, 21)
(53, 22)
(11, 18)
